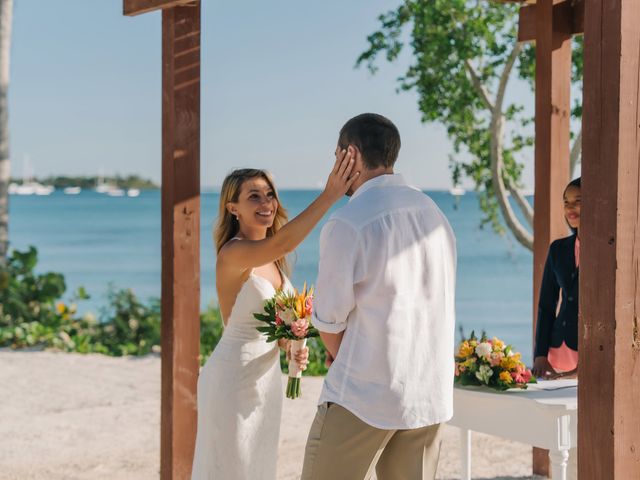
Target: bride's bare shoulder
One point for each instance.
(223, 258)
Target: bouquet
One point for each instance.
(490, 363)
(288, 315)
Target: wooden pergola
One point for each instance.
(609, 387)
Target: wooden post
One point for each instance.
(609, 387)
(180, 237)
(180, 228)
(553, 84)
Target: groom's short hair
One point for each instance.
(377, 138)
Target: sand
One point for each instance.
(70, 416)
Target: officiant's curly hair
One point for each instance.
(228, 227)
(377, 138)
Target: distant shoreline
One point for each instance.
(91, 182)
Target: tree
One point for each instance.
(6, 18)
(464, 54)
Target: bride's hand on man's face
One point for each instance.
(342, 176)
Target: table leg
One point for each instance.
(559, 459)
(465, 453)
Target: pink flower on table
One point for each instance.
(521, 375)
(300, 327)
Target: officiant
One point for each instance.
(556, 346)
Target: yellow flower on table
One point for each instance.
(498, 344)
(466, 350)
(506, 377)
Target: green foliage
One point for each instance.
(128, 327)
(451, 41)
(210, 332)
(33, 314)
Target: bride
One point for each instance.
(240, 389)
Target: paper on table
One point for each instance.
(549, 385)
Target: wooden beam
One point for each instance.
(609, 334)
(136, 7)
(180, 237)
(568, 18)
(552, 114)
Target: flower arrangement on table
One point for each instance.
(491, 363)
(288, 316)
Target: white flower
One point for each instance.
(288, 316)
(483, 350)
(484, 374)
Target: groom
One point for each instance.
(385, 310)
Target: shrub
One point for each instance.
(33, 313)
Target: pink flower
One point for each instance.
(521, 375)
(278, 320)
(308, 305)
(300, 327)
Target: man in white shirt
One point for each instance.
(384, 306)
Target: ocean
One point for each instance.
(96, 240)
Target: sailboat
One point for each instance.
(108, 188)
(30, 186)
(72, 190)
(457, 191)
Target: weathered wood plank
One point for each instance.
(180, 238)
(609, 387)
(136, 7)
(568, 17)
(552, 114)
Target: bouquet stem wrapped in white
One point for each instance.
(295, 372)
(288, 316)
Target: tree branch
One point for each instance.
(6, 18)
(477, 84)
(506, 73)
(523, 204)
(497, 161)
(576, 153)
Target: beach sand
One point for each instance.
(70, 416)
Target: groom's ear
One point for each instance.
(355, 153)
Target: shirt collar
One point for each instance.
(386, 180)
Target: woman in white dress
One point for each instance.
(240, 389)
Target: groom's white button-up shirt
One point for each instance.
(387, 278)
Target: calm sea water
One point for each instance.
(95, 240)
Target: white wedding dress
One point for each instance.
(240, 394)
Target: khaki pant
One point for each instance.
(343, 447)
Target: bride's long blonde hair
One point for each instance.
(227, 225)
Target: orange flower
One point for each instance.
(506, 377)
(465, 350)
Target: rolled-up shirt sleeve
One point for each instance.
(334, 297)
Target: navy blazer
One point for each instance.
(560, 272)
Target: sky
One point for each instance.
(278, 81)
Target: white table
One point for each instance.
(545, 416)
